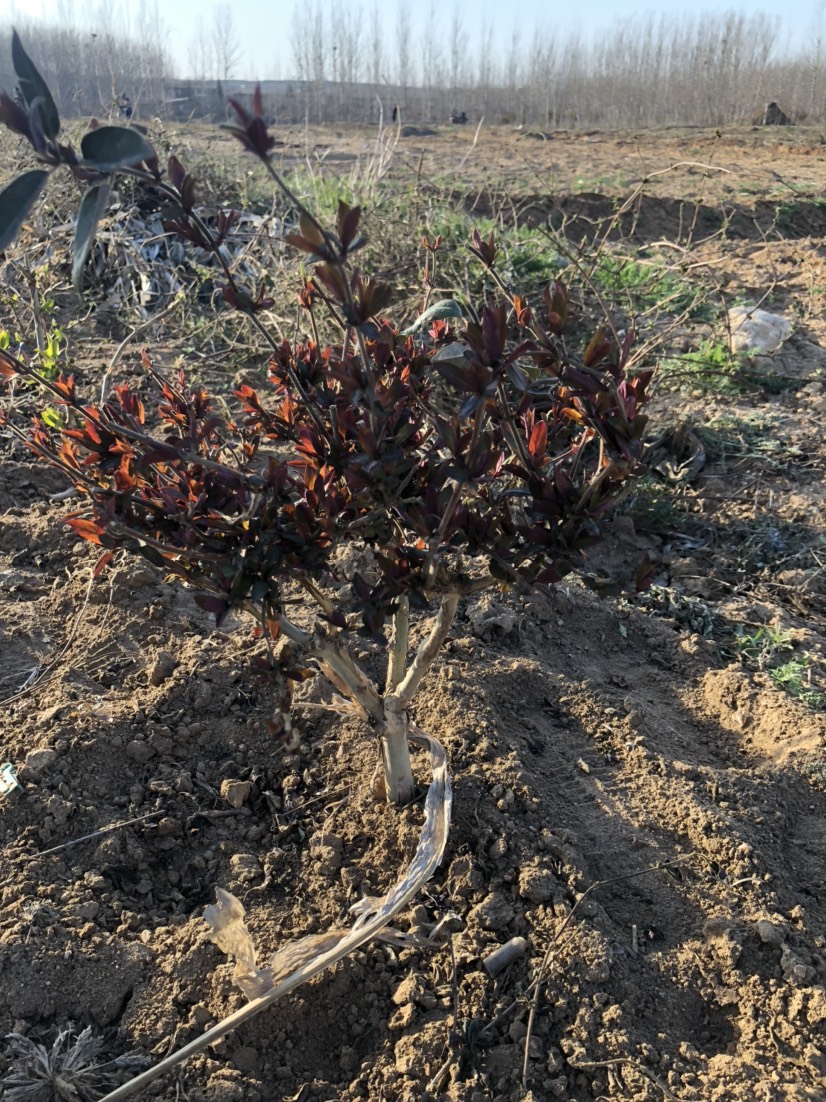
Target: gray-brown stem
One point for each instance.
(428, 650)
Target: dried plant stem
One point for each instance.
(400, 787)
(398, 775)
(329, 651)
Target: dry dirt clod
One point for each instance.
(37, 762)
(162, 668)
(494, 913)
(536, 885)
(770, 933)
(138, 751)
(245, 867)
(236, 793)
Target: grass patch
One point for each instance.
(735, 437)
(653, 505)
(713, 369)
(640, 287)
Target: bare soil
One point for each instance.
(619, 744)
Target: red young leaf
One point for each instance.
(102, 563)
(86, 529)
(538, 441)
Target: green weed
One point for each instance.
(815, 772)
(51, 356)
(709, 369)
(795, 677)
(763, 646)
(639, 287)
(606, 182)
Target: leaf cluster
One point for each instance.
(32, 113)
(462, 453)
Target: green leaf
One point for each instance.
(92, 205)
(53, 418)
(440, 311)
(17, 200)
(112, 147)
(34, 87)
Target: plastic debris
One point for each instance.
(757, 331)
(8, 779)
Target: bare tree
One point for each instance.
(225, 44)
(200, 54)
(670, 69)
(403, 45)
(376, 45)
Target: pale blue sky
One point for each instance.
(264, 27)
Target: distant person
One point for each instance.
(125, 105)
(395, 114)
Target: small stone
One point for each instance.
(168, 825)
(39, 760)
(505, 955)
(86, 912)
(794, 969)
(498, 849)
(236, 793)
(139, 751)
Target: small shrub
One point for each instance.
(452, 457)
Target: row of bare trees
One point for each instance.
(89, 64)
(659, 70)
(348, 61)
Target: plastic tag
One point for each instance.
(8, 779)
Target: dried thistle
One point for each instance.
(68, 1072)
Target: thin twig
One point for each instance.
(162, 316)
(91, 837)
(538, 982)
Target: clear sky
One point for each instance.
(265, 27)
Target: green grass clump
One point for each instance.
(641, 287)
(795, 677)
